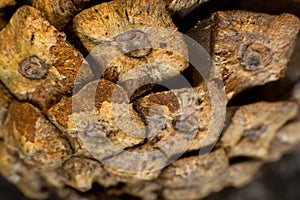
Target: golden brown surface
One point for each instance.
(59, 13)
(106, 30)
(5, 3)
(23, 36)
(110, 136)
(248, 48)
(27, 131)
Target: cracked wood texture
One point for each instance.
(66, 128)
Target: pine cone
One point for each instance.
(110, 100)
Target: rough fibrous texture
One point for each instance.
(27, 36)
(27, 130)
(249, 49)
(60, 12)
(106, 125)
(106, 30)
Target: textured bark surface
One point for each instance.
(108, 129)
(55, 64)
(106, 31)
(248, 48)
(60, 13)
